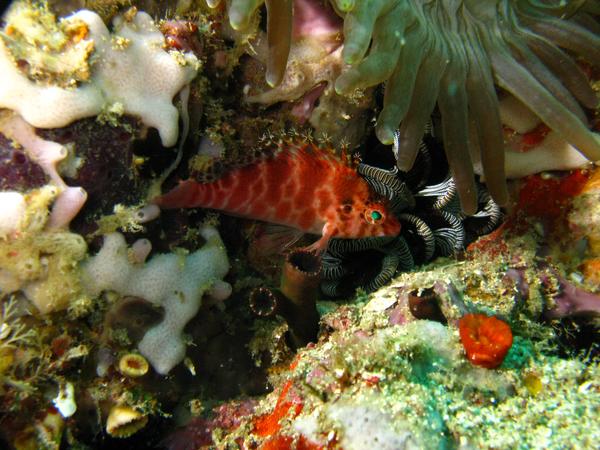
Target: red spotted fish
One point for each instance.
(300, 186)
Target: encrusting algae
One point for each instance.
(233, 224)
(48, 50)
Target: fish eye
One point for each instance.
(347, 208)
(373, 216)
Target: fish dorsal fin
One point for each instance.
(303, 145)
(206, 169)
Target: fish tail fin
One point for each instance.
(184, 195)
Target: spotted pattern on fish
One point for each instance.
(298, 185)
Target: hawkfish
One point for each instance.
(297, 185)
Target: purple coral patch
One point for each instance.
(17, 171)
(573, 301)
(106, 172)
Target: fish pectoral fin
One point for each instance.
(317, 247)
(272, 239)
(320, 246)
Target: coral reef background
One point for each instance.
(125, 324)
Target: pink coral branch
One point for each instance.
(47, 154)
(66, 206)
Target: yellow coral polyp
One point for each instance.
(42, 263)
(125, 218)
(123, 421)
(133, 365)
(533, 383)
(56, 52)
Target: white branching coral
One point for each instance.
(174, 281)
(130, 73)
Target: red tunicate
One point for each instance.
(485, 339)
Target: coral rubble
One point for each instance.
(380, 377)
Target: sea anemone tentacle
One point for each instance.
(379, 65)
(413, 123)
(569, 73)
(532, 63)
(279, 30)
(360, 26)
(556, 8)
(402, 81)
(483, 104)
(519, 82)
(454, 53)
(279, 39)
(452, 102)
(568, 35)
